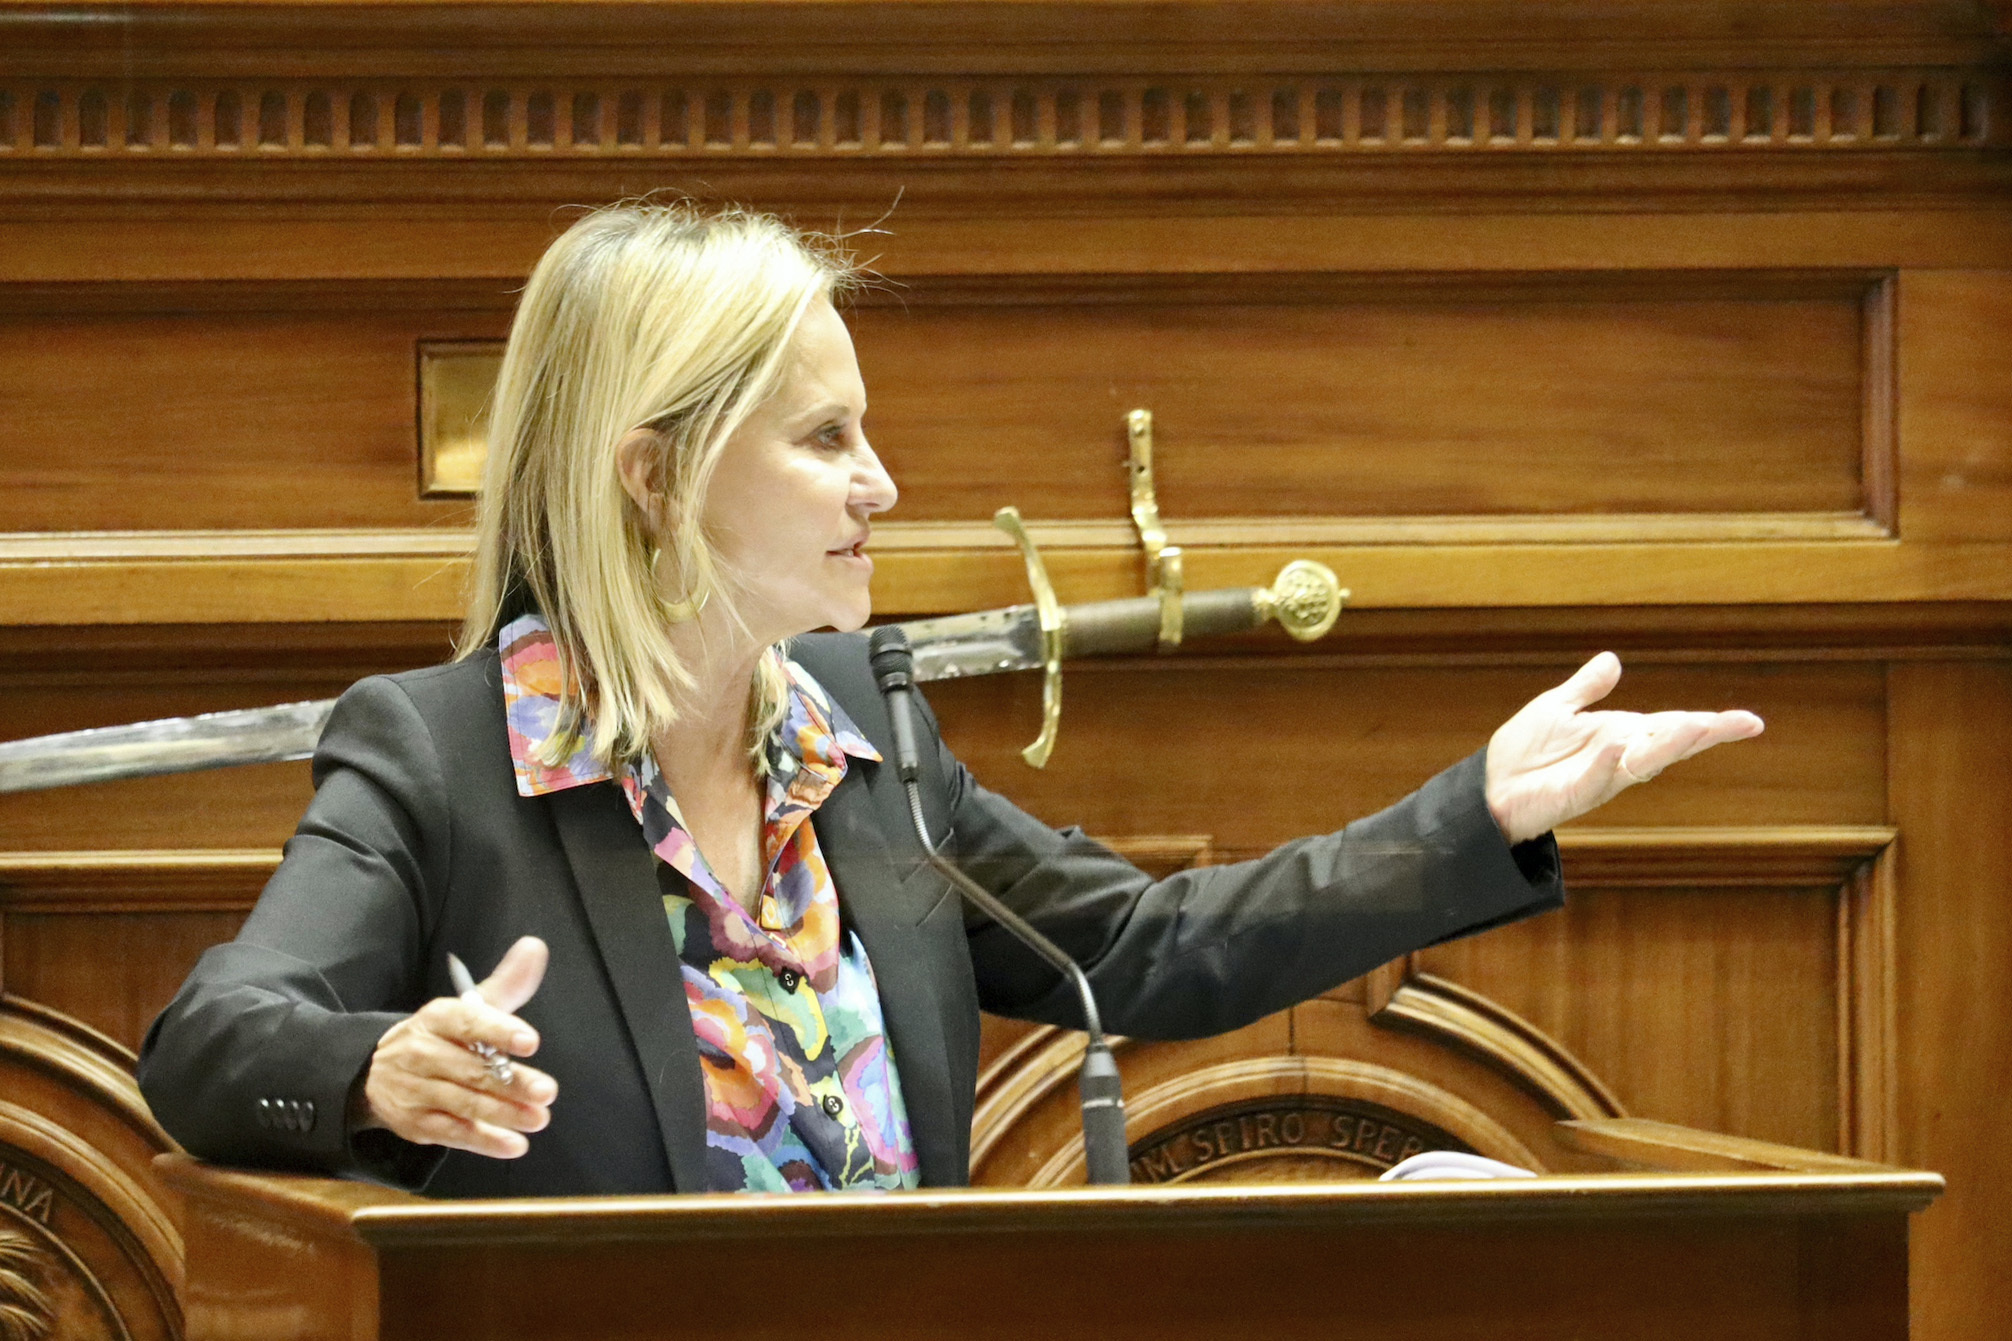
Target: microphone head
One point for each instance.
(892, 659)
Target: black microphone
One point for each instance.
(1102, 1088)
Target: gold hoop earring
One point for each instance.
(687, 607)
(684, 611)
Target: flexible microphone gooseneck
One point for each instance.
(1102, 1089)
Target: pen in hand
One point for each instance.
(464, 987)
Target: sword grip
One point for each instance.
(1103, 628)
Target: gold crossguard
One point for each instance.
(1054, 639)
(1304, 598)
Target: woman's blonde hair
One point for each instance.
(665, 317)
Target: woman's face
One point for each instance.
(792, 495)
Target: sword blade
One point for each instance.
(171, 745)
(985, 643)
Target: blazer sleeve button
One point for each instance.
(307, 1115)
(265, 1114)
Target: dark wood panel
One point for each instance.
(1145, 748)
(227, 420)
(1255, 756)
(1386, 407)
(1043, 35)
(1649, 317)
(1711, 1008)
(1955, 405)
(113, 971)
(1952, 795)
(1374, 409)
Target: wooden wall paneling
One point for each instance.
(1955, 404)
(1383, 730)
(1733, 980)
(1392, 300)
(1331, 401)
(903, 35)
(1822, 760)
(417, 577)
(1728, 1021)
(1951, 777)
(1619, 111)
(1878, 355)
(217, 420)
(1401, 997)
(1729, 397)
(1868, 1038)
(1376, 405)
(500, 242)
(106, 937)
(1714, 1010)
(115, 970)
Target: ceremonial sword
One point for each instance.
(1305, 599)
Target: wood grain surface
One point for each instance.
(1805, 1247)
(1679, 329)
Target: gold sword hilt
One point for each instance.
(1305, 599)
(1054, 635)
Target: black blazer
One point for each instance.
(417, 843)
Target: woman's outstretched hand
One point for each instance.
(1554, 761)
(426, 1085)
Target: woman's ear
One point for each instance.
(636, 458)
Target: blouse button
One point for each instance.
(789, 978)
(833, 1105)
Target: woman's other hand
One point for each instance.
(426, 1084)
(1554, 761)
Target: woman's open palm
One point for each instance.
(1554, 760)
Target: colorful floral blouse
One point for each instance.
(801, 1091)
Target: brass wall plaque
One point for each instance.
(455, 379)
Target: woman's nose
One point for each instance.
(872, 487)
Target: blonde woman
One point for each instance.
(653, 802)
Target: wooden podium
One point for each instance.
(1688, 1235)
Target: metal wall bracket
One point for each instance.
(1163, 561)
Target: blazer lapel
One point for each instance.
(875, 901)
(618, 886)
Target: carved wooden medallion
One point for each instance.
(87, 1249)
(53, 1251)
(1294, 1138)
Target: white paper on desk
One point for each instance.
(1434, 1164)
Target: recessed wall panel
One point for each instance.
(1521, 405)
(1713, 1008)
(1619, 397)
